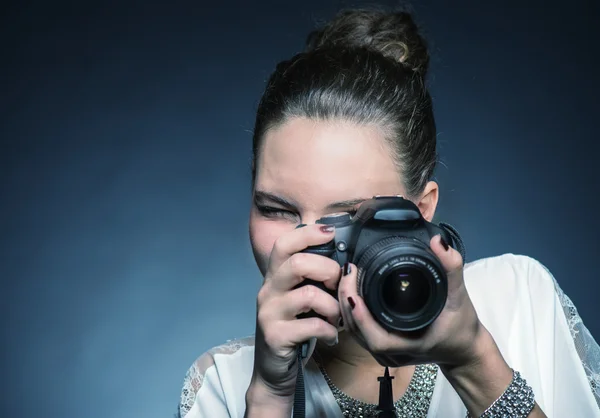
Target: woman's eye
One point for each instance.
(272, 212)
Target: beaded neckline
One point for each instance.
(414, 403)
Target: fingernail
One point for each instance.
(334, 342)
(346, 269)
(327, 229)
(444, 243)
(351, 302)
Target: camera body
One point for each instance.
(402, 282)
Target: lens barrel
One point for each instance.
(403, 283)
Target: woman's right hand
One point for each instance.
(278, 330)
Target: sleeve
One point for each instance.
(586, 346)
(568, 355)
(202, 395)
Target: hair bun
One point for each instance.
(393, 34)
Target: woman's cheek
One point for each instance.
(263, 234)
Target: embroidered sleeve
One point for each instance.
(587, 347)
(193, 382)
(194, 378)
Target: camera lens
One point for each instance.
(402, 282)
(405, 290)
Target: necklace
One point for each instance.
(414, 403)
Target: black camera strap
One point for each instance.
(386, 398)
(300, 394)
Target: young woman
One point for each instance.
(348, 119)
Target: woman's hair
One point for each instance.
(367, 67)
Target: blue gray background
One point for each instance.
(124, 163)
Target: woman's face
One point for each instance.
(308, 169)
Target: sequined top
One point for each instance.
(535, 325)
(413, 403)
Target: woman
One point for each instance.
(349, 119)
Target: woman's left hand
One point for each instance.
(449, 340)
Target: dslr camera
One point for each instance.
(401, 280)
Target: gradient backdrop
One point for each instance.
(125, 133)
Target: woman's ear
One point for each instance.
(428, 201)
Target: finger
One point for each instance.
(301, 330)
(348, 282)
(347, 287)
(296, 241)
(307, 298)
(301, 266)
(451, 260)
(360, 320)
(350, 326)
(377, 339)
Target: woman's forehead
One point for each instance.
(323, 161)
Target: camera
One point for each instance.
(401, 280)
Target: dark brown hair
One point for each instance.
(366, 67)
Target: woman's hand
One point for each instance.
(278, 331)
(449, 340)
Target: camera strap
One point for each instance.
(300, 394)
(386, 399)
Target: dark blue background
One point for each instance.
(125, 134)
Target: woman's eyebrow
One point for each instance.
(260, 195)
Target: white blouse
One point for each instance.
(535, 325)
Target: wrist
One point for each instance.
(260, 402)
(483, 376)
(480, 351)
